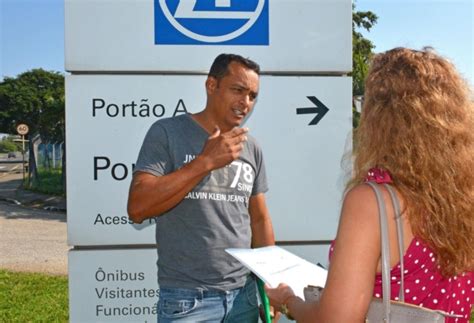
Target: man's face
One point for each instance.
(233, 96)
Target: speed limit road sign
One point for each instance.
(22, 129)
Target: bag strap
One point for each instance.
(401, 246)
(385, 248)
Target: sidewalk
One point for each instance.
(11, 191)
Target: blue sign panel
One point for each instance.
(211, 22)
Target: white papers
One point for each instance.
(275, 265)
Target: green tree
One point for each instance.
(362, 51)
(36, 98)
(7, 146)
(14, 140)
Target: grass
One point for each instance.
(50, 182)
(31, 297)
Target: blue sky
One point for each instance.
(32, 31)
(32, 35)
(445, 25)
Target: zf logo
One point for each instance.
(211, 22)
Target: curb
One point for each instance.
(10, 200)
(51, 208)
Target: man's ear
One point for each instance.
(211, 84)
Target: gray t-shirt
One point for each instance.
(193, 235)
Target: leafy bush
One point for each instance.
(48, 182)
(7, 146)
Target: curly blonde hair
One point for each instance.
(417, 122)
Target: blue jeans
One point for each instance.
(197, 305)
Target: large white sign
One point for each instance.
(302, 123)
(296, 36)
(120, 285)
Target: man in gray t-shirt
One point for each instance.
(204, 178)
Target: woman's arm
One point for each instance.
(351, 276)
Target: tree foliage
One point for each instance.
(36, 98)
(7, 145)
(361, 47)
(362, 51)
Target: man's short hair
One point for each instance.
(219, 67)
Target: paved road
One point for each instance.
(9, 167)
(32, 240)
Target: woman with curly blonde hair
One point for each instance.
(417, 133)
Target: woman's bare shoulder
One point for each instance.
(360, 203)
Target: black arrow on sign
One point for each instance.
(320, 110)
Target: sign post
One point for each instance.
(22, 130)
